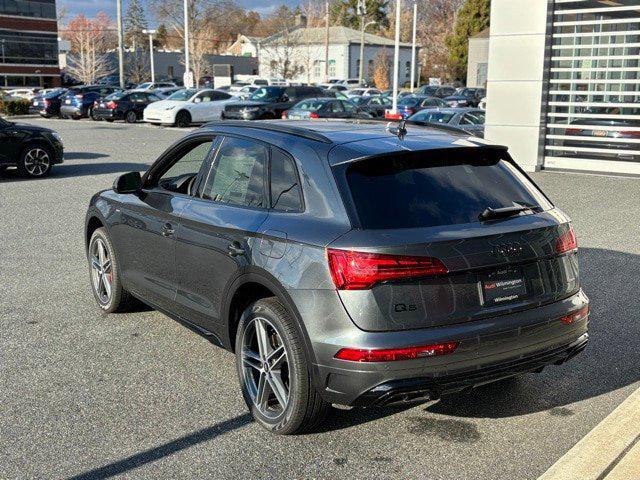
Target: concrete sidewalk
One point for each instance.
(611, 451)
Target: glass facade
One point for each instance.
(28, 48)
(593, 109)
(29, 8)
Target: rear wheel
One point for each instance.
(104, 271)
(183, 119)
(274, 372)
(130, 117)
(35, 161)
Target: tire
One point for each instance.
(287, 375)
(183, 119)
(130, 117)
(113, 298)
(35, 161)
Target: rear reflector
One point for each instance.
(567, 242)
(314, 115)
(575, 316)
(361, 271)
(395, 354)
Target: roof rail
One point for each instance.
(273, 127)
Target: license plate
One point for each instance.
(503, 286)
(67, 101)
(599, 133)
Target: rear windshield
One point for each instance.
(433, 189)
(432, 116)
(115, 96)
(310, 105)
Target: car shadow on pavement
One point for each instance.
(151, 455)
(610, 361)
(83, 155)
(78, 170)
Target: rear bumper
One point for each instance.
(71, 111)
(431, 388)
(489, 349)
(105, 114)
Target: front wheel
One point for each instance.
(131, 117)
(183, 119)
(273, 371)
(35, 161)
(104, 272)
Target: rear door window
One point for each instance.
(286, 194)
(428, 189)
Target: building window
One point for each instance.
(28, 48)
(317, 69)
(407, 69)
(593, 103)
(481, 74)
(332, 68)
(29, 8)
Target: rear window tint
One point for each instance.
(434, 189)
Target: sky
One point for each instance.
(91, 7)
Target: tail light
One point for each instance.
(389, 115)
(361, 271)
(567, 242)
(47, 103)
(314, 115)
(111, 105)
(575, 316)
(395, 354)
(284, 115)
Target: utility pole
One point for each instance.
(362, 11)
(396, 60)
(120, 42)
(186, 42)
(413, 46)
(151, 33)
(326, 41)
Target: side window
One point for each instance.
(204, 97)
(152, 98)
(188, 164)
(137, 97)
(220, 96)
(286, 194)
(291, 93)
(336, 107)
(348, 106)
(475, 118)
(237, 175)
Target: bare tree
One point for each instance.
(137, 66)
(381, 70)
(89, 40)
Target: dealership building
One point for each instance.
(563, 83)
(28, 44)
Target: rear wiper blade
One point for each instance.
(505, 212)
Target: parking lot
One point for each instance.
(138, 395)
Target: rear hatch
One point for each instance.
(445, 237)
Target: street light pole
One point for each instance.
(413, 46)
(120, 43)
(396, 61)
(186, 38)
(151, 33)
(326, 41)
(361, 69)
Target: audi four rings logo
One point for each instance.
(507, 249)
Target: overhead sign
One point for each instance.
(187, 79)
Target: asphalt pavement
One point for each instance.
(88, 395)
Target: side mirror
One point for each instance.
(128, 183)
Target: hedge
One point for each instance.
(14, 107)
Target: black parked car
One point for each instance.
(127, 106)
(48, 104)
(373, 105)
(269, 102)
(466, 97)
(78, 101)
(323, 108)
(34, 150)
(439, 91)
(411, 104)
(344, 262)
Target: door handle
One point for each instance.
(168, 230)
(234, 249)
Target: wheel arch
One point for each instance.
(248, 288)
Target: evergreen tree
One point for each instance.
(160, 40)
(345, 13)
(472, 18)
(135, 21)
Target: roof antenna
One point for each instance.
(400, 131)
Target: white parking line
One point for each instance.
(608, 452)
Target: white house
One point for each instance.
(244, 46)
(304, 50)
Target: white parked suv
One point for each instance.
(26, 93)
(188, 106)
(362, 92)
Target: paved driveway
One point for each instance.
(139, 395)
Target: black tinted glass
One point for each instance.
(427, 190)
(285, 187)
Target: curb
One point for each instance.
(611, 451)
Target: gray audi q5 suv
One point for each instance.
(344, 262)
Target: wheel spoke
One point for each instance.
(279, 390)
(276, 357)
(262, 395)
(106, 266)
(263, 339)
(95, 263)
(107, 285)
(251, 359)
(101, 253)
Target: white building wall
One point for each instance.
(370, 54)
(478, 55)
(515, 77)
(310, 57)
